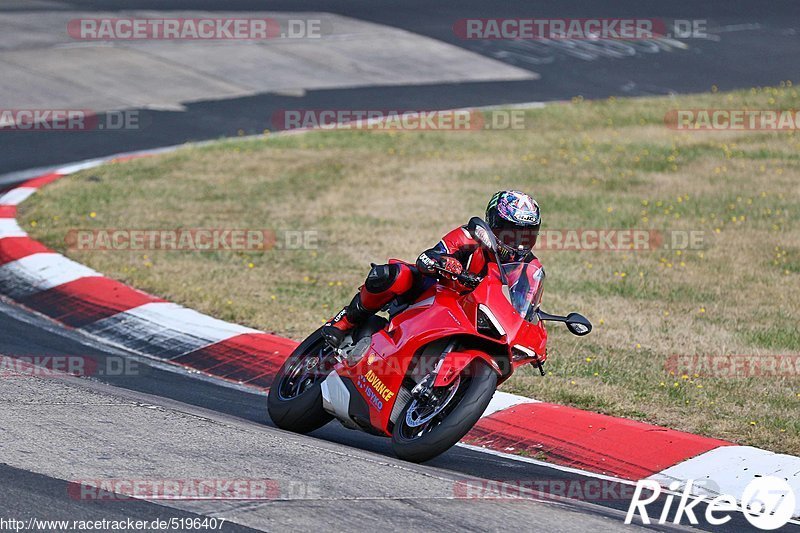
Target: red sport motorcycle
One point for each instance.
(425, 376)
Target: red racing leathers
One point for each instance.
(457, 252)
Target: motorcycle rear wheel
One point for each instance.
(295, 397)
(424, 431)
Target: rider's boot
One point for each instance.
(352, 315)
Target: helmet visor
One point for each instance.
(511, 235)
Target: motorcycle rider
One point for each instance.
(515, 220)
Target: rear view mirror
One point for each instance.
(578, 324)
(482, 233)
(480, 230)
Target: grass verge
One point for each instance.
(601, 164)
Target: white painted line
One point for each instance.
(522, 105)
(189, 321)
(47, 323)
(579, 472)
(12, 178)
(503, 400)
(165, 330)
(83, 165)
(10, 228)
(17, 196)
(545, 464)
(39, 272)
(93, 163)
(728, 470)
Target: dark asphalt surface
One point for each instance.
(764, 54)
(27, 495)
(24, 334)
(753, 44)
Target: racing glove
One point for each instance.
(451, 265)
(434, 263)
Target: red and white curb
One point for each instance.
(567, 438)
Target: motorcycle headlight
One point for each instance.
(520, 353)
(487, 324)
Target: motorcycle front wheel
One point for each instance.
(426, 429)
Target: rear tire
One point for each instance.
(295, 397)
(476, 387)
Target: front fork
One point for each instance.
(423, 391)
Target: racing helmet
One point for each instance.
(515, 220)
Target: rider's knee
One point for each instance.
(382, 277)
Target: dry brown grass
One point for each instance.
(608, 164)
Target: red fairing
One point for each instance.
(455, 362)
(426, 375)
(443, 313)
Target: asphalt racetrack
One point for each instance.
(167, 423)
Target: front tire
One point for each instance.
(419, 436)
(295, 397)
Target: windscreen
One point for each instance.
(525, 284)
